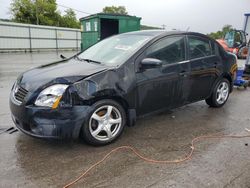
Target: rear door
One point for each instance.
(161, 87)
(203, 67)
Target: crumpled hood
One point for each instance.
(64, 72)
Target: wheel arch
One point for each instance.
(229, 78)
(130, 112)
(117, 99)
(226, 76)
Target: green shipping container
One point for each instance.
(99, 26)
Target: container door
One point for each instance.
(89, 33)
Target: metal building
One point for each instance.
(99, 26)
(27, 37)
(246, 26)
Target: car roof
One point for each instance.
(146, 32)
(159, 33)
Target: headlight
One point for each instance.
(51, 96)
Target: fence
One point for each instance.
(27, 37)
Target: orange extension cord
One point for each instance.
(148, 160)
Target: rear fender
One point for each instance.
(227, 76)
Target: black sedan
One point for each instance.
(95, 93)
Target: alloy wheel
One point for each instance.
(105, 123)
(222, 93)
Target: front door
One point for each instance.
(161, 87)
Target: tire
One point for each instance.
(105, 123)
(219, 95)
(243, 51)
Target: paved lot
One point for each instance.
(29, 162)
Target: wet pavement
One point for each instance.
(29, 162)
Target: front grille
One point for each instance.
(20, 93)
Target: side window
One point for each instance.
(238, 37)
(199, 47)
(168, 50)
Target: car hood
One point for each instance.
(63, 72)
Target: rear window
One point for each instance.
(199, 47)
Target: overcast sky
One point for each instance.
(200, 15)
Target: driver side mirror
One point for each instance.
(150, 63)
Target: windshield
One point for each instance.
(229, 38)
(115, 50)
(235, 37)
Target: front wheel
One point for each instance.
(220, 94)
(105, 123)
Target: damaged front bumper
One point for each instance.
(43, 122)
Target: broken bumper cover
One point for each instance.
(42, 122)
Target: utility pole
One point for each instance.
(37, 20)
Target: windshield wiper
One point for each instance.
(88, 60)
(93, 61)
(76, 57)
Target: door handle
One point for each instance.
(202, 68)
(183, 73)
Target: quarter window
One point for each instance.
(168, 50)
(199, 47)
(213, 48)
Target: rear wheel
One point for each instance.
(105, 123)
(220, 94)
